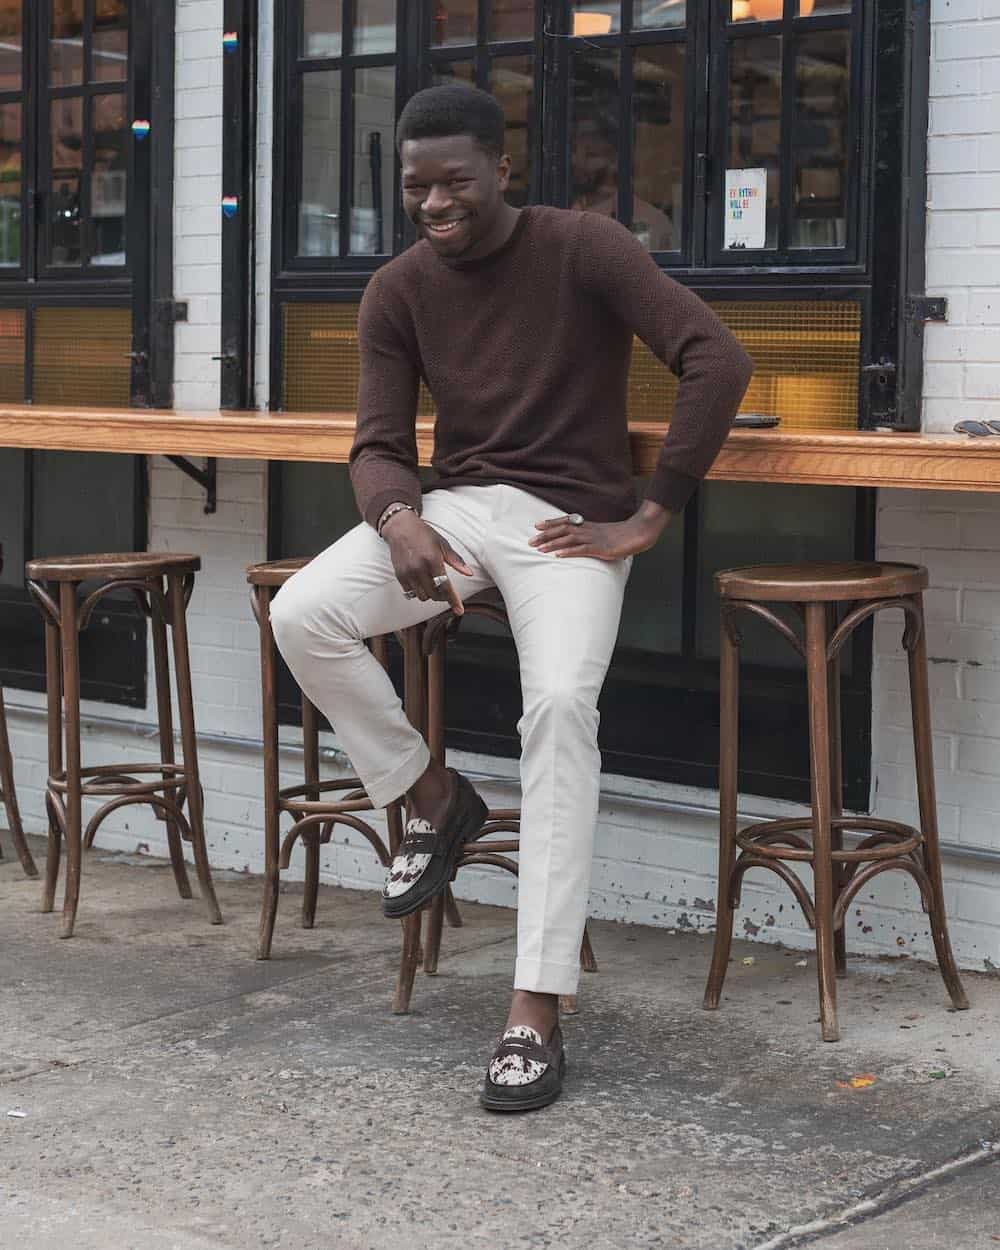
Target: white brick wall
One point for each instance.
(656, 848)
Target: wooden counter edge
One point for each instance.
(928, 461)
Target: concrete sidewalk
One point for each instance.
(179, 1095)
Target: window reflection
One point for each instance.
(108, 180)
(10, 184)
(11, 45)
(66, 137)
(321, 28)
(820, 138)
(452, 21)
(594, 137)
(372, 201)
(658, 145)
(755, 117)
(374, 26)
(109, 46)
(512, 19)
(319, 199)
(652, 14)
(592, 17)
(66, 43)
(512, 81)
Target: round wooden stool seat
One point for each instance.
(111, 566)
(819, 582)
(274, 572)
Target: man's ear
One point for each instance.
(503, 172)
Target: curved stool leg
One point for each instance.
(9, 797)
(817, 676)
(269, 704)
(407, 965)
(71, 698)
(729, 694)
(927, 799)
(310, 768)
(185, 704)
(165, 723)
(432, 942)
(53, 698)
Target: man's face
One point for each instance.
(453, 192)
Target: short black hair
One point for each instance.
(453, 109)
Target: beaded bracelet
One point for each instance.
(390, 512)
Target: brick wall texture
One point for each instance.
(656, 849)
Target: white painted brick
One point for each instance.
(195, 162)
(204, 103)
(199, 191)
(982, 683)
(989, 75)
(967, 40)
(950, 78)
(988, 229)
(954, 10)
(196, 280)
(951, 229)
(201, 73)
(981, 607)
(984, 307)
(193, 45)
(949, 154)
(982, 381)
(950, 343)
(949, 267)
(919, 529)
(192, 133)
(980, 755)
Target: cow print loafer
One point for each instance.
(525, 1073)
(427, 857)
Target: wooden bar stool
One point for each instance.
(314, 816)
(162, 585)
(832, 600)
(485, 848)
(8, 795)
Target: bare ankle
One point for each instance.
(429, 794)
(538, 1011)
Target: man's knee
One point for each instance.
(299, 617)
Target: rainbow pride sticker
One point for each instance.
(230, 41)
(230, 205)
(141, 128)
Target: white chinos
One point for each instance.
(564, 614)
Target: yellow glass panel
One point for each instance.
(321, 359)
(806, 358)
(11, 356)
(805, 353)
(81, 357)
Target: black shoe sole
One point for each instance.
(469, 817)
(494, 1103)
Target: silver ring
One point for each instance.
(574, 518)
(440, 580)
(409, 594)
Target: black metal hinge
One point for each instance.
(926, 308)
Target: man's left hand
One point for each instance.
(607, 540)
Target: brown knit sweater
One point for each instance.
(526, 354)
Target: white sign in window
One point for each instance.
(745, 208)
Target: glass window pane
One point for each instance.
(748, 523)
(81, 356)
(372, 200)
(755, 116)
(653, 14)
(11, 45)
(109, 46)
(820, 139)
(319, 199)
(512, 19)
(375, 26)
(757, 10)
(594, 136)
(10, 184)
(66, 43)
(321, 28)
(108, 180)
(512, 81)
(67, 162)
(808, 7)
(658, 145)
(452, 21)
(12, 356)
(454, 71)
(592, 17)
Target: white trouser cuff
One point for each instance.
(546, 978)
(388, 787)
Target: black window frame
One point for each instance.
(874, 272)
(113, 650)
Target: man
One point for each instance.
(521, 324)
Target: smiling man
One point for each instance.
(521, 324)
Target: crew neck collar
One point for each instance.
(481, 262)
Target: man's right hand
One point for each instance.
(419, 554)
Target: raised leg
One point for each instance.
(165, 724)
(729, 697)
(310, 748)
(817, 678)
(185, 708)
(269, 705)
(53, 699)
(10, 797)
(927, 798)
(71, 698)
(840, 875)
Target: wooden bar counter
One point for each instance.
(924, 461)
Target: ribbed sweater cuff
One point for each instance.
(671, 489)
(396, 494)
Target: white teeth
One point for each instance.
(446, 228)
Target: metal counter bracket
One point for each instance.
(204, 477)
